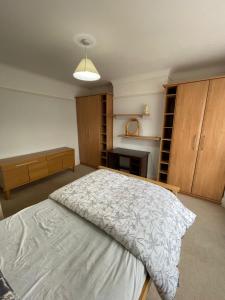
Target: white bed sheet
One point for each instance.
(48, 252)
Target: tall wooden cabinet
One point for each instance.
(192, 151)
(95, 128)
(210, 167)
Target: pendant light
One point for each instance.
(86, 70)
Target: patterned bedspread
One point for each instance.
(6, 293)
(146, 219)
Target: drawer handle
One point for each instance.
(27, 163)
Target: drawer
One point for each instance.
(59, 154)
(16, 177)
(22, 162)
(68, 161)
(55, 165)
(38, 170)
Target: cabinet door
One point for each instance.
(209, 176)
(16, 176)
(68, 160)
(38, 170)
(89, 125)
(189, 111)
(109, 122)
(55, 165)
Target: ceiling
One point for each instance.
(132, 36)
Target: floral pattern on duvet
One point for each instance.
(146, 219)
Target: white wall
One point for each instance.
(36, 113)
(107, 88)
(130, 95)
(196, 73)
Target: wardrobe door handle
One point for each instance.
(194, 142)
(202, 142)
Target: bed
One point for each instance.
(54, 251)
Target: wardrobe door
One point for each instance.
(89, 121)
(209, 176)
(189, 111)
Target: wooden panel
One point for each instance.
(55, 165)
(89, 122)
(38, 170)
(109, 120)
(189, 111)
(209, 176)
(68, 161)
(16, 177)
(141, 137)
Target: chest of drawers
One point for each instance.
(19, 170)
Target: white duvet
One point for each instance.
(146, 219)
(49, 253)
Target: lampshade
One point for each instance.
(86, 71)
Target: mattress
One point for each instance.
(49, 252)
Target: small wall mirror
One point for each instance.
(132, 127)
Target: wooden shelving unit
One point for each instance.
(106, 126)
(167, 130)
(141, 137)
(131, 115)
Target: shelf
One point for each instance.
(166, 140)
(163, 172)
(124, 170)
(140, 137)
(131, 115)
(170, 95)
(164, 162)
(168, 114)
(166, 151)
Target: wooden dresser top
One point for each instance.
(32, 156)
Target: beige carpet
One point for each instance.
(202, 265)
(38, 191)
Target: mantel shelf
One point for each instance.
(131, 115)
(141, 137)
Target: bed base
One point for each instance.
(174, 189)
(145, 289)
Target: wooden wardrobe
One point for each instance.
(192, 151)
(95, 128)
